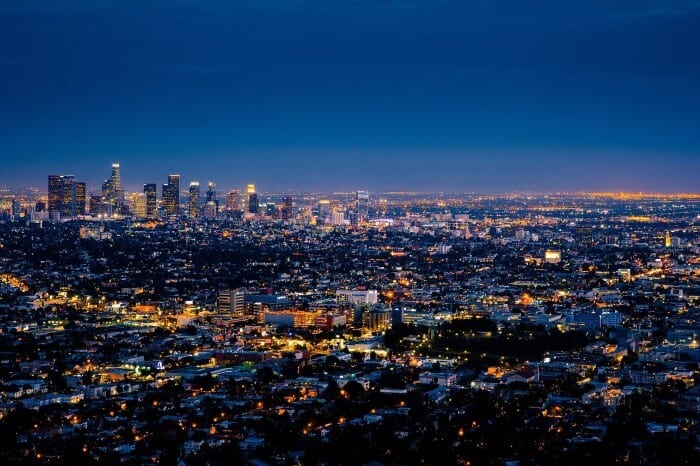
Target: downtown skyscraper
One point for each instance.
(193, 199)
(150, 190)
(171, 195)
(66, 196)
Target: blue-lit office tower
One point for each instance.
(211, 204)
(193, 199)
(287, 207)
(253, 202)
(150, 190)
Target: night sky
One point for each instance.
(469, 96)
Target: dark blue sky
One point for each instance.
(422, 95)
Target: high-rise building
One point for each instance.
(68, 204)
(63, 199)
(171, 195)
(55, 193)
(337, 218)
(253, 202)
(138, 204)
(362, 206)
(287, 207)
(211, 204)
(232, 201)
(271, 210)
(167, 202)
(667, 239)
(193, 199)
(94, 204)
(112, 190)
(108, 192)
(116, 176)
(150, 191)
(324, 211)
(80, 198)
(211, 192)
(231, 302)
(16, 208)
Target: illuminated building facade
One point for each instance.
(171, 195)
(253, 201)
(211, 192)
(193, 199)
(324, 211)
(287, 206)
(112, 191)
(150, 191)
(552, 256)
(80, 197)
(138, 204)
(231, 302)
(116, 176)
(63, 196)
(232, 201)
(211, 204)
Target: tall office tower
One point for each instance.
(667, 239)
(68, 197)
(95, 202)
(117, 194)
(232, 201)
(120, 200)
(193, 199)
(174, 181)
(209, 210)
(287, 207)
(167, 199)
(108, 192)
(171, 195)
(116, 176)
(112, 190)
(324, 211)
(138, 204)
(337, 218)
(150, 190)
(362, 202)
(16, 208)
(211, 192)
(62, 196)
(211, 204)
(80, 198)
(253, 202)
(55, 193)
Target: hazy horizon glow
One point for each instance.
(448, 96)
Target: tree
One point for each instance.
(332, 390)
(355, 390)
(265, 375)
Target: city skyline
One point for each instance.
(459, 96)
(351, 232)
